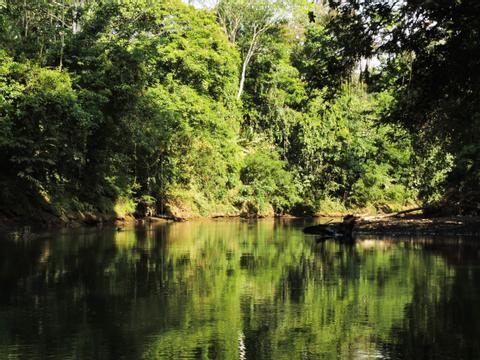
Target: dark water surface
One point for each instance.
(237, 290)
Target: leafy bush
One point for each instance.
(266, 183)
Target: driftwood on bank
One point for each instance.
(404, 212)
(397, 214)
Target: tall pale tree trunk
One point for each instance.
(77, 6)
(246, 62)
(25, 19)
(62, 36)
(242, 79)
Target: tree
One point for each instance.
(246, 22)
(436, 89)
(39, 29)
(44, 127)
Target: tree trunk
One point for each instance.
(77, 6)
(25, 9)
(62, 36)
(248, 57)
(242, 79)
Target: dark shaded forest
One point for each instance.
(243, 107)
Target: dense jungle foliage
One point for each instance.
(250, 107)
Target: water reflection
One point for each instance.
(236, 290)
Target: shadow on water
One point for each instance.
(237, 290)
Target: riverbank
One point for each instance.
(48, 221)
(419, 225)
(406, 225)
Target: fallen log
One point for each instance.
(407, 211)
(394, 214)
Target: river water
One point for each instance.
(237, 290)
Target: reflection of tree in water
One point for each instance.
(203, 289)
(59, 302)
(444, 326)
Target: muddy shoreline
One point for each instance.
(419, 225)
(408, 225)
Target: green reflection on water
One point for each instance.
(235, 290)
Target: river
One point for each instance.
(237, 290)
